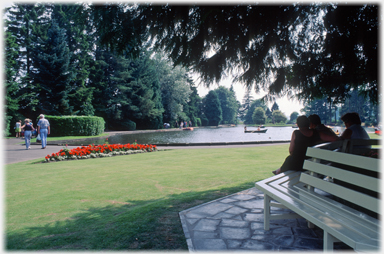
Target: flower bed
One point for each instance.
(98, 151)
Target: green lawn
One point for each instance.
(128, 202)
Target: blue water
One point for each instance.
(202, 135)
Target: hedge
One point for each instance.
(75, 125)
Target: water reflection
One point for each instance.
(198, 135)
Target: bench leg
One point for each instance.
(328, 242)
(267, 211)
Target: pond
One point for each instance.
(199, 135)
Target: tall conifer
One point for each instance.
(53, 74)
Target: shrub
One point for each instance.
(75, 125)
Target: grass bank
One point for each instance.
(126, 202)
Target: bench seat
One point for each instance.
(318, 200)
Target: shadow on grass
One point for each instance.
(137, 225)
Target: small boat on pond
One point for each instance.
(256, 131)
(188, 129)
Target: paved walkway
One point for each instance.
(232, 223)
(235, 223)
(15, 151)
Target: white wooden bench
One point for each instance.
(326, 203)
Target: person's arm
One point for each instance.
(49, 129)
(328, 137)
(346, 134)
(38, 129)
(292, 144)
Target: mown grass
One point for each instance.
(126, 202)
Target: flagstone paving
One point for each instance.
(236, 222)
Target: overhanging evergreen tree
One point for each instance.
(314, 49)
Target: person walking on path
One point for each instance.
(28, 128)
(44, 130)
(18, 129)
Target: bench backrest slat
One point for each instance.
(356, 197)
(368, 182)
(364, 142)
(344, 158)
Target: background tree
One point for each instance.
(293, 117)
(246, 104)
(11, 85)
(268, 114)
(126, 91)
(80, 39)
(212, 108)
(258, 116)
(228, 103)
(28, 23)
(321, 107)
(369, 113)
(194, 105)
(52, 74)
(138, 96)
(279, 116)
(275, 106)
(175, 90)
(256, 103)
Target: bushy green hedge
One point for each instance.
(75, 125)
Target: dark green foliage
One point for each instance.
(175, 90)
(258, 116)
(330, 113)
(275, 107)
(27, 23)
(126, 90)
(11, 86)
(194, 106)
(246, 104)
(278, 117)
(53, 76)
(80, 41)
(75, 125)
(212, 109)
(63, 59)
(315, 49)
(228, 103)
(255, 104)
(293, 117)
